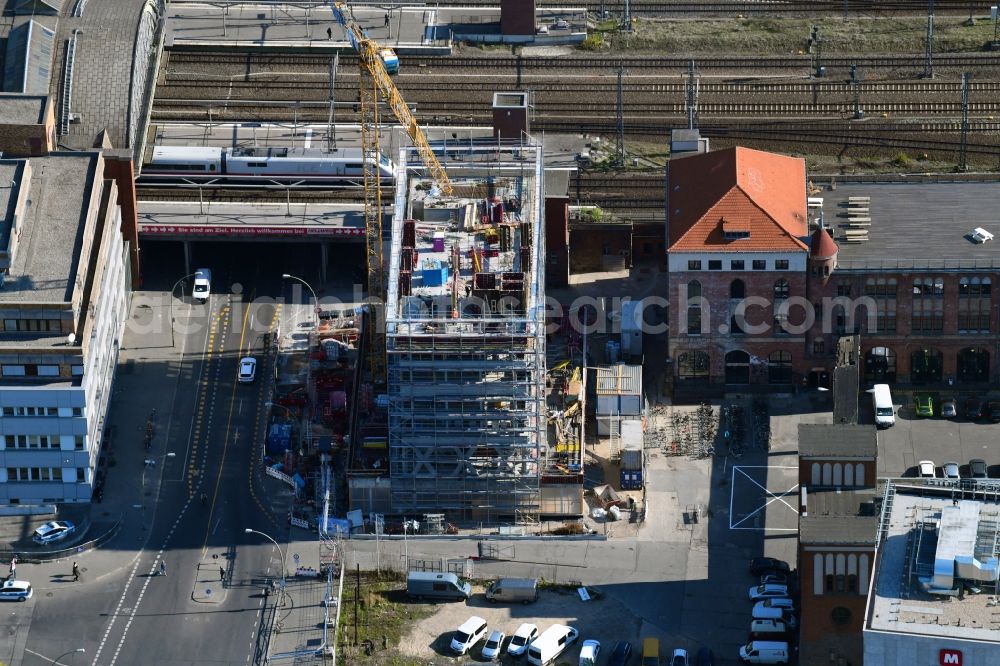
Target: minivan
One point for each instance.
(471, 632)
(764, 652)
(650, 652)
(551, 643)
(885, 413)
(510, 590)
(436, 585)
(761, 612)
(202, 284)
(781, 603)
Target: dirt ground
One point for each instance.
(600, 618)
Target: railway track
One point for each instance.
(679, 8)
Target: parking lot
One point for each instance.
(602, 618)
(914, 438)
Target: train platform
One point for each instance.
(409, 30)
(306, 221)
(561, 151)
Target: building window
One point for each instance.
(736, 265)
(13, 370)
(715, 264)
(737, 289)
(974, 305)
(781, 264)
(694, 264)
(734, 326)
(694, 308)
(883, 292)
(840, 615)
(693, 365)
(781, 290)
(819, 347)
(760, 264)
(928, 305)
(47, 370)
(779, 368)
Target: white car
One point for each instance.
(925, 469)
(16, 590)
(248, 370)
(775, 603)
(980, 235)
(494, 644)
(202, 285)
(471, 632)
(521, 639)
(767, 591)
(53, 531)
(589, 652)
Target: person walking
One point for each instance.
(222, 574)
(13, 566)
(76, 572)
(386, 20)
(329, 33)
(163, 567)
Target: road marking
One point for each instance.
(240, 409)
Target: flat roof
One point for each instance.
(838, 440)
(837, 516)
(243, 219)
(48, 253)
(619, 379)
(898, 605)
(909, 219)
(10, 186)
(22, 109)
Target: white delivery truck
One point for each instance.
(885, 413)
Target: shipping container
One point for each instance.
(632, 459)
(631, 479)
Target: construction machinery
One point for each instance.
(373, 81)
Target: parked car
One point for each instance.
(948, 409)
(492, 649)
(620, 654)
(977, 468)
(561, 24)
(766, 628)
(589, 652)
(519, 642)
(973, 408)
(767, 590)
(53, 531)
(471, 632)
(705, 657)
(782, 603)
(950, 470)
(925, 469)
(16, 590)
(248, 370)
(680, 658)
(923, 405)
(775, 578)
(764, 565)
(993, 410)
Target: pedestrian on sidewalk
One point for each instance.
(76, 572)
(163, 567)
(329, 33)
(222, 574)
(386, 20)
(13, 566)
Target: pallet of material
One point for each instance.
(853, 233)
(857, 223)
(855, 239)
(854, 199)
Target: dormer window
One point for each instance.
(734, 230)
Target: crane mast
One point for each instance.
(373, 81)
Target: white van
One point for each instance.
(885, 413)
(764, 652)
(202, 284)
(768, 628)
(761, 612)
(552, 643)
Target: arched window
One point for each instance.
(781, 289)
(863, 574)
(694, 289)
(859, 475)
(816, 472)
(737, 289)
(818, 574)
(848, 474)
(694, 323)
(827, 474)
(838, 478)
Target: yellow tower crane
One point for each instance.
(374, 80)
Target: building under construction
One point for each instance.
(465, 337)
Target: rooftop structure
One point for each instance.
(466, 339)
(935, 580)
(28, 65)
(837, 440)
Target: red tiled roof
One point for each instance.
(764, 193)
(822, 245)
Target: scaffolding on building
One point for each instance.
(466, 337)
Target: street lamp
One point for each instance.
(280, 553)
(172, 289)
(151, 462)
(76, 651)
(286, 276)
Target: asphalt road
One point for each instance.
(121, 612)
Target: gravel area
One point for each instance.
(601, 618)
